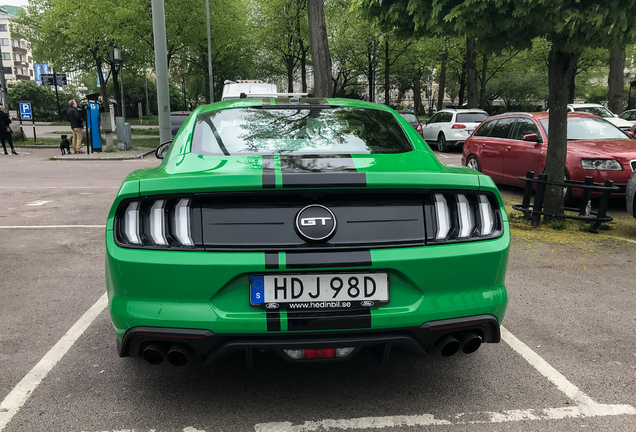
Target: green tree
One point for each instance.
(42, 99)
(569, 26)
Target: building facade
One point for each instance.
(17, 60)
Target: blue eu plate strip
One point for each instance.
(257, 289)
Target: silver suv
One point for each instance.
(450, 127)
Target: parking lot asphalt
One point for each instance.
(567, 361)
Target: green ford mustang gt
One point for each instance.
(310, 227)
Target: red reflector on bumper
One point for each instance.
(324, 353)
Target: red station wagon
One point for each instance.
(509, 145)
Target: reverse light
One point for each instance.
(295, 354)
(601, 164)
(131, 223)
(458, 126)
(157, 223)
(486, 216)
(344, 352)
(443, 217)
(465, 216)
(182, 222)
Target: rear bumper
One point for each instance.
(206, 346)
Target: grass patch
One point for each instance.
(152, 131)
(136, 142)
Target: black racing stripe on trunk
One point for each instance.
(271, 260)
(269, 172)
(297, 260)
(273, 320)
(320, 171)
(328, 320)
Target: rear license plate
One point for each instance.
(319, 291)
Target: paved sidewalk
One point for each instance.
(134, 153)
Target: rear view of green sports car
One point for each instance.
(311, 227)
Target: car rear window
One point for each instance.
(411, 118)
(471, 117)
(589, 128)
(285, 130)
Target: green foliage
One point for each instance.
(42, 99)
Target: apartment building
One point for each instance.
(16, 57)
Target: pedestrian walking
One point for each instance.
(6, 134)
(77, 124)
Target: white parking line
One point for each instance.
(586, 406)
(38, 203)
(59, 187)
(21, 392)
(50, 226)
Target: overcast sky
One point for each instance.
(21, 3)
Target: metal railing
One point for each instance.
(534, 211)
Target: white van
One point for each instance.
(252, 89)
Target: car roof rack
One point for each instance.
(515, 113)
(275, 95)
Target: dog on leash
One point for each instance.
(65, 145)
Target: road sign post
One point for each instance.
(26, 113)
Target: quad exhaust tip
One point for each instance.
(176, 354)
(449, 345)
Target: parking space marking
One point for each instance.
(585, 407)
(50, 226)
(59, 187)
(24, 389)
(38, 203)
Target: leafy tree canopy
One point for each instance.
(571, 25)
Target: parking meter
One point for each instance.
(93, 125)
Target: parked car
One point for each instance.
(629, 115)
(450, 127)
(631, 195)
(601, 111)
(251, 89)
(507, 146)
(177, 118)
(412, 119)
(313, 229)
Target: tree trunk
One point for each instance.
(417, 94)
(482, 90)
(615, 80)
(115, 74)
(387, 90)
(441, 89)
(561, 68)
(319, 48)
(290, 74)
(572, 87)
(303, 66)
(471, 71)
(462, 85)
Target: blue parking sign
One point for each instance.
(25, 111)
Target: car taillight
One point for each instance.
(322, 353)
(459, 217)
(156, 223)
(419, 127)
(458, 126)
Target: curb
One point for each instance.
(98, 155)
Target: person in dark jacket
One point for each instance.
(5, 131)
(74, 116)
